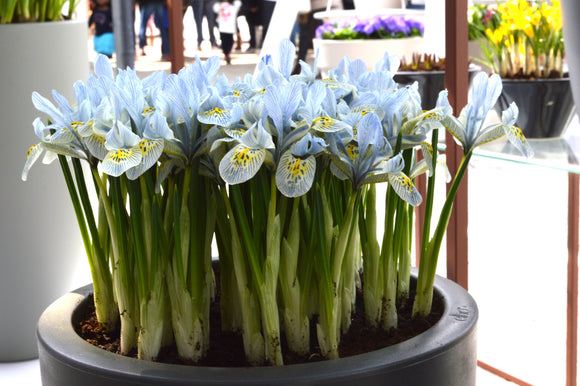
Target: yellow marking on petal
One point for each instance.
(75, 124)
(432, 115)
(31, 150)
(146, 145)
(352, 151)
(517, 132)
(236, 92)
(120, 156)
(148, 110)
(404, 182)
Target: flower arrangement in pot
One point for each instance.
(282, 170)
(367, 38)
(522, 41)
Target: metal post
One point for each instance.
(456, 81)
(124, 33)
(572, 307)
(176, 35)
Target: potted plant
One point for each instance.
(281, 169)
(522, 41)
(428, 70)
(367, 38)
(43, 50)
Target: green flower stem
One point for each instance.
(404, 239)
(403, 252)
(126, 284)
(268, 296)
(105, 306)
(296, 323)
(323, 235)
(251, 333)
(371, 258)
(125, 303)
(350, 271)
(426, 278)
(388, 265)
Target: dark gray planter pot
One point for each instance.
(443, 355)
(430, 83)
(546, 105)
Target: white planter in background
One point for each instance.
(370, 51)
(40, 244)
(374, 4)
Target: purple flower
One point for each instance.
(326, 27)
(375, 27)
(416, 24)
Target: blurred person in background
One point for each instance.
(201, 9)
(155, 8)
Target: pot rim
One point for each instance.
(537, 80)
(55, 334)
(472, 68)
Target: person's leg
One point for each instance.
(145, 14)
(197, 8)
(227, 44)
(158, 18)
(211, 22)
(252, 29)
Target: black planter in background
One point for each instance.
(546, 105)
(430, 83)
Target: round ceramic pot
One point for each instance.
(546, 105)
(331, 52)
(430, 83)
(36, 57)
(445, 354)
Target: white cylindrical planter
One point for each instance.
(370, 51)
(570, 15)
(41, 245)
(371, 5)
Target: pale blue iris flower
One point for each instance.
(297, 166)
(123, 150)
(468, 129)
(244, 160)
(369, 160)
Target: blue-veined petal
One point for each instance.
(241, 163)
(308, 145)
(235, 132)
(405, 189)
(388, 62)
(118, 161)
(257, 138)
(103, 67)
(212, 111)
(151, 150)
(427, 151)
(96, 146)
(294, 175)
(32, 155)
(485, 90)
(328, 125)
(121, 137)
(286, 54)
(44, 105)
(455, 128)
(516, 137)
(157, 127)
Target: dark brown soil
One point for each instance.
(226, 349)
